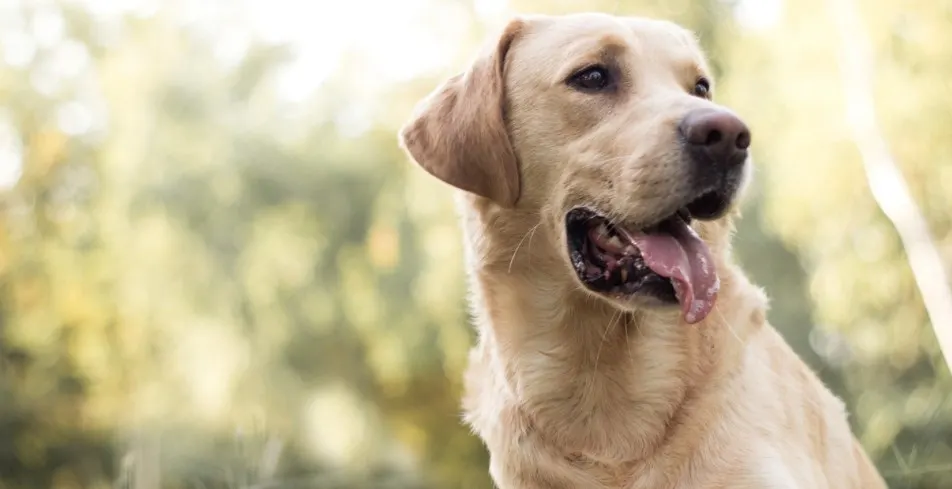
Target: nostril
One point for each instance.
(713, 137)
(743, 140)
(718, 131)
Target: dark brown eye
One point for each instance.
(702, 88)
(593, 79)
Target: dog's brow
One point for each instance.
(605, 49)
(613, 43)
(689, 65)
(697, 69)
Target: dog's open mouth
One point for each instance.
(668, 260)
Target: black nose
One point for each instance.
(718, 133)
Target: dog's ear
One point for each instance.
(458, 133)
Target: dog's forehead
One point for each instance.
(553, 40)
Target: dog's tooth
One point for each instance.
(615, 242)
(624, 274)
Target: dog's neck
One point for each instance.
(572, 370)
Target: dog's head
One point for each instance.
(604, 129)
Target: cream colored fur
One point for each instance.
(569, 389)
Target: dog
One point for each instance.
(619, 346)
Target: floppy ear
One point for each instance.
(458, 134)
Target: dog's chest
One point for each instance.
(762, 472)
(539, 465)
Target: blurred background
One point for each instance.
(217, 270)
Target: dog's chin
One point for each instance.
(652, 299)
(657, 267)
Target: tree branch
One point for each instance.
(885, 180)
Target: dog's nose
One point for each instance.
(717, 132)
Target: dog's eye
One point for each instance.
(702, 88)
(591, 79)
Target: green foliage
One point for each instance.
(204, 285)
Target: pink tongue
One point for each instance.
(680, 255)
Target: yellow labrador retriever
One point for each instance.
(619, 345)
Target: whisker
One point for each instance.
(528, 233)
(608, 330)
(631, 356)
